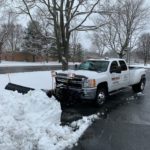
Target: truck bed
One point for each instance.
(132, 67)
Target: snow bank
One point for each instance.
(24, 118)
(32, 121)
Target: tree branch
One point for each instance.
(85, 17)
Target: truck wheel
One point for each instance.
(140, 86)
(101, 96)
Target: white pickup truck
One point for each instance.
(95, 79)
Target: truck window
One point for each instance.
(114, 66)
(100, 66)
(123, 65)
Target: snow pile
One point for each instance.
(24, 117)
(32, 121)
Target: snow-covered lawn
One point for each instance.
(141, 65)
(32, 121)
(13, 63)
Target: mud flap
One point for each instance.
(19, 88)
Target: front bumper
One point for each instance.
(65, 93)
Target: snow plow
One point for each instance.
(19, 88)
(23, 89)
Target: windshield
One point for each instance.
(100, 66)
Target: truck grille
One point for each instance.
(76, 82)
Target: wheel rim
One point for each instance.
(142, 85)
(101, 98)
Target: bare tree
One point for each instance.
(126, 20)
(49, 50)
(60, 15)
(75, 47)
(73, 44)
(10, 16)
(98, 42)
(15, 37)
(3, 34)
(144, 47)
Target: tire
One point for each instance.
(140, 86)
(101, 96)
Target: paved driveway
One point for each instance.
(124, 123)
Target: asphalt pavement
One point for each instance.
(124, 122)
(16, 69)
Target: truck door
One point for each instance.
(124, 80)
(114, 76)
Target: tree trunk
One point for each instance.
(33, 58)
(145, 60)
(65, 55)
(64, 61)
(1, 43)
(0, 56)
(64, 64)
(47, 56)
(59, 56)
(121, 55)
(12, 56)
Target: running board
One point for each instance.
(118, 91)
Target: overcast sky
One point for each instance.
(84, 36)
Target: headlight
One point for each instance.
(71, 75)
(89, 83)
